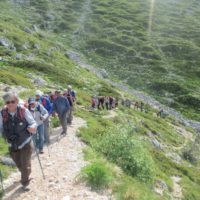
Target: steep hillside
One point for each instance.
(134, 155)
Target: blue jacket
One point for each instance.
(47, 104)
(61, 105)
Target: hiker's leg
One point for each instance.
(41, 136)
(65, 115)
(25, 158)
(46, 130)
(69, 118)
(16, 158)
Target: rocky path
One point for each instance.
(177, 190)
(61, 169)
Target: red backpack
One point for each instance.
(20, 114)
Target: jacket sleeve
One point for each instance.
(44, 112)
(29, 118)
(50, 107)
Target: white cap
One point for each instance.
(38, 93)
(69, 87)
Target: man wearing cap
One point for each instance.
(17, 126)
(61, 106)
(40, 114)
(44, 100)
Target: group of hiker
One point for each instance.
(24, 123)
(136, 105)
(103, 102)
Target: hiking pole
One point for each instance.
(1, 178)
(38, 157)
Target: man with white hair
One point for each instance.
(17, 126)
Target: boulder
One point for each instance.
(39, 81)
(7, 161)
(27, 30)
(18, 56)
(157, 144)
(36, 46)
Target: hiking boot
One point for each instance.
(64, 133)
(41, 152)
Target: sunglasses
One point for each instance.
(10, 102)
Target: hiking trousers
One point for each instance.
(22, 159)
(63, 121)
(70, 115)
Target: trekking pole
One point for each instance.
(38, 157)
(1, 178)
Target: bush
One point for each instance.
(128, 153)
(97, 175)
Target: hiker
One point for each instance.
(40, 114)
(128, 103)
(44, 100)
(101, 100)
(72, 93)
(141, 106)
(107, 103)
(113, 103)
(160, 112)
(17, 125)
(61, 106)
(93, 102)
(136, 105)
(110, 102)
(69, 97)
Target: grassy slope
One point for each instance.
(165, 62)
(57, 69)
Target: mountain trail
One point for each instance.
(111, 114)
(61, 170)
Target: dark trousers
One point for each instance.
(70, 115)
(63, 121)
(22, 159)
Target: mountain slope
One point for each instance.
(35, 41)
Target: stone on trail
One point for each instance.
(66, 198)
(7, 161)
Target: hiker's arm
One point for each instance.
(44, 112)
(32, 123)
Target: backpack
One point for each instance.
(20, 114)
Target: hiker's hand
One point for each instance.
(43, 119)
(31, 130)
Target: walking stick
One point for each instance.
(1, 178)
(38, 157)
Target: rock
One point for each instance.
(36, 46)
(4, 42)
(104, 73)
(35, 28)
(7, 161)
(1, 59)
(25, 46)
(27, 30)
(157, 144)
(7, 89)
(175, 157)
(18, 56)
(39, 81)
(66, 198)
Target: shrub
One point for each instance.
(128, 153)
(97, 175)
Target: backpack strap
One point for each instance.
(4, 114)
(44, 101)
(21, 113)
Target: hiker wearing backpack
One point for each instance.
(110, 102)
(44, 100)
(69, 97)
(101, 102)
(40, 114)
(107, 103)
(17, 126)
(61, 106)
(71, 92)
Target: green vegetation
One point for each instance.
(97, 175)
(113, 35)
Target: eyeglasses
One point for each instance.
(10, 102)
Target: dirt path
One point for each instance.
(111, 114)
(177, 190)
(61, 170)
